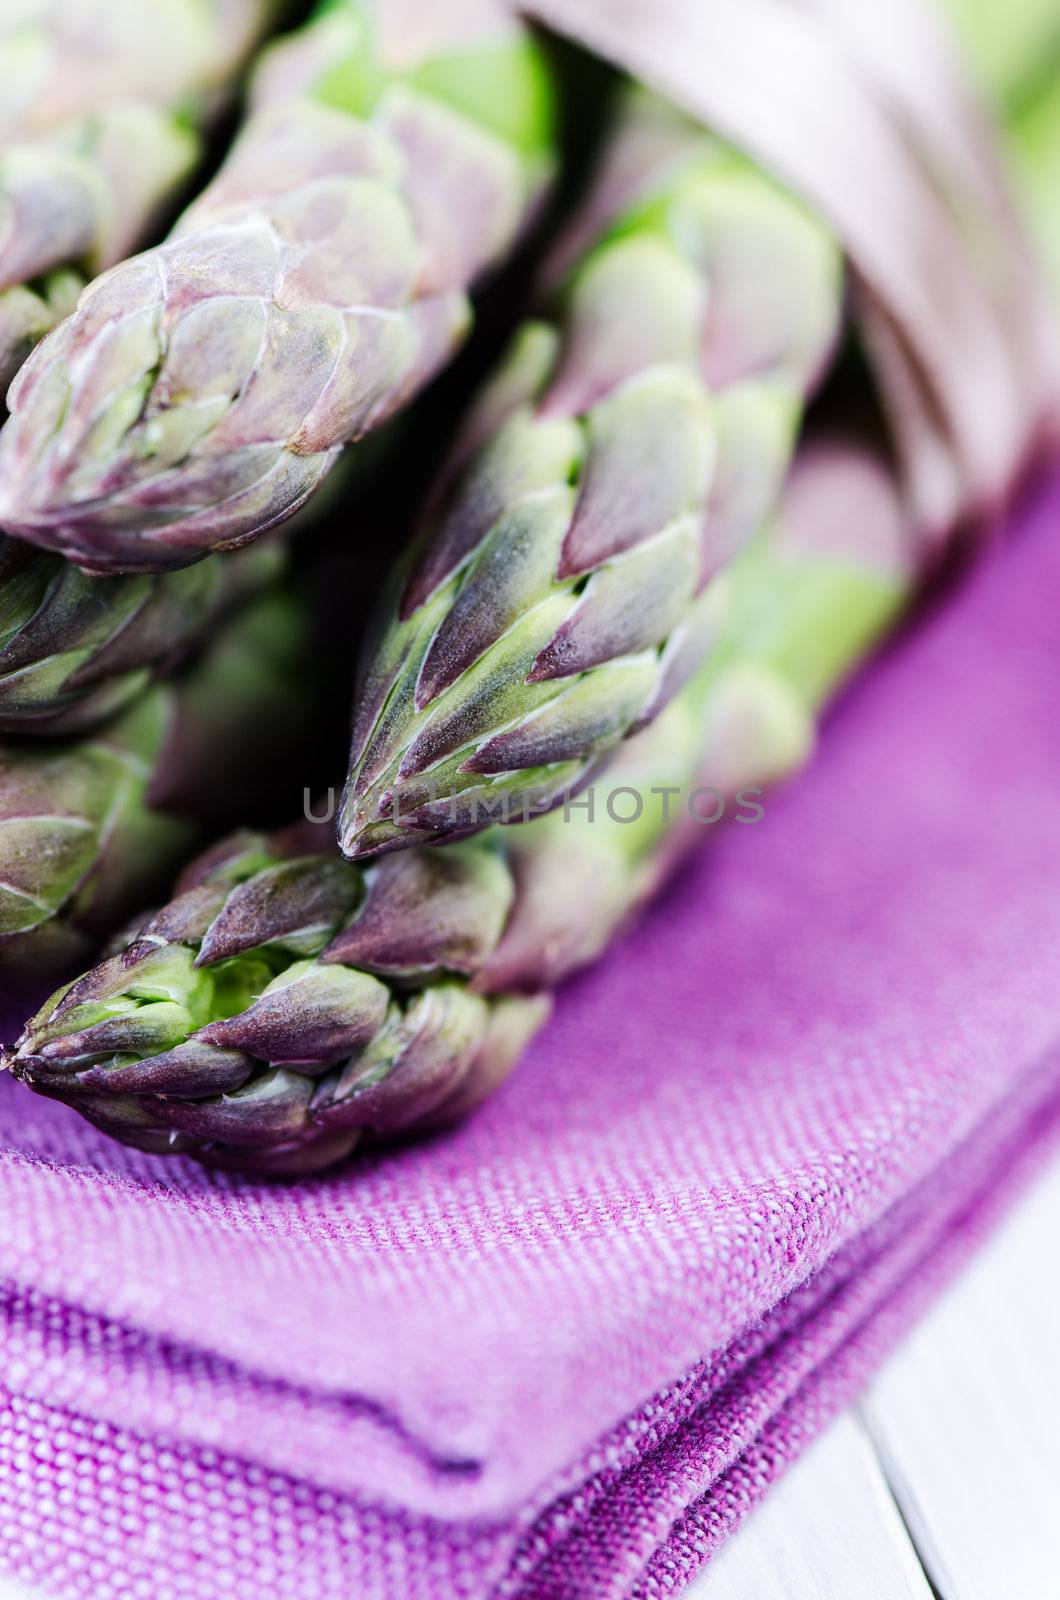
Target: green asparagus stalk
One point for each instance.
(76, 650)
(104, 107)
(565, 585)
(1033, 139)
(1011, 48)
(286, 1003)
(1015, 51)
(204, 390)
(90, 828)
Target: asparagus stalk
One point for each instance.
(104, 106)
(204, 390)
(1033, 139)
(1010, 47)
(286, 1003)
(75, 650)
(565, 585)
(92, 827)
(1015, 53)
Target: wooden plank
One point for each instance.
(829, 1531)
(952, 1462)
(966, 1417)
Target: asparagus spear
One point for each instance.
(1033, 140)
(565, 585)
(284, 1004)
(76, 650)
(203, 390)
(91, 827)
(1014, 52)
(1010, 47)
(103, 108)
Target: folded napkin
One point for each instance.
(559, 1352)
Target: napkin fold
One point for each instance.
(559, 1352)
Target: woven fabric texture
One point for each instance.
(557, 1353)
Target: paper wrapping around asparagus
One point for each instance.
(866, 112)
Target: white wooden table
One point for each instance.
(944, 1483)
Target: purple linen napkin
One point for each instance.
(558, 1352)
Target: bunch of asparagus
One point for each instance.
(632, 592)
(352, 115)
(287, 1002)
